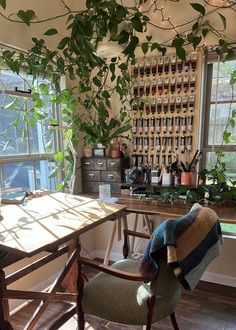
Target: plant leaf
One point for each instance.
(58, 156)
(223, 20)
(180, 52)
(144, 47)
(26, 16)
(51, 32)
(63, 43)
(199, 8)
(137, 23)
(131, 46)
(3, 4)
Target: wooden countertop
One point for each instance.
(226, 214)
(135, 205)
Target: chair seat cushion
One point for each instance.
(125, 301)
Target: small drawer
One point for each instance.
(110, 176)
(88, 163)
(113, 164)
(100, 164)
(91, 175)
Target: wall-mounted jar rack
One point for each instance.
(165, 109)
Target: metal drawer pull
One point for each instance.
(91, 175)
(87, 163)
(112, 164)
(110, 175)
(100, 164)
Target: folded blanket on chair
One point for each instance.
(191, 241)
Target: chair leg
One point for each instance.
(80, 290)
(151, 304)
(173, 321)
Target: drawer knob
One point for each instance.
(110, 175)
(87, 163)
(100, 164)
(112, 164)
(91, 175)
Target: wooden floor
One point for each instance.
(208, 307)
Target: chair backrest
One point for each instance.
(191, 242)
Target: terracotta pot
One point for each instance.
(115, 153)
(188, 178)
(88, 152)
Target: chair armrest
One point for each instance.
(109, 270)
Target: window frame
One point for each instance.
(29, 156)
(206, 147)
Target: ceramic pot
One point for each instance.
(88, 152)
(188, 178)
(115, 153)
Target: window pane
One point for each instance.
(43, 169)
(229, 159)
(11, 141)
(224, 89)
(22, 175)
(19, 175)
(217, 124)
(10, 81)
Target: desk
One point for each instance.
(147, 207)
(134, 205)
(45, 223)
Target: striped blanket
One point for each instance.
(191, 242)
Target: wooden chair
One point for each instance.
(118, 293)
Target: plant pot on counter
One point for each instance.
(115, 153)
(88, 152)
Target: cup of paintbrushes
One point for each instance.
(188, 178)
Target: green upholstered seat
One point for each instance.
(125, 301)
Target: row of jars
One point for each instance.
(143, 145)
(159, 105)
(163, 125)
(138, 160)
(164, 86)
(164, 65)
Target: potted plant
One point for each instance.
(118, 148)
(101, 127)
(89, 142)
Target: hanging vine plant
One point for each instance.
(99, 78)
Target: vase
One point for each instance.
(115, 153)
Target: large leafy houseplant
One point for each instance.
(98, 79)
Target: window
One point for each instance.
(220, 101)
(23, 137)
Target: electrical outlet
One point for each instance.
(145, 230)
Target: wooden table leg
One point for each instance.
(109, 245)
(134, 229)
(80, 290)
(4, 306)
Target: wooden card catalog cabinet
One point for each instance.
(165, 110)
